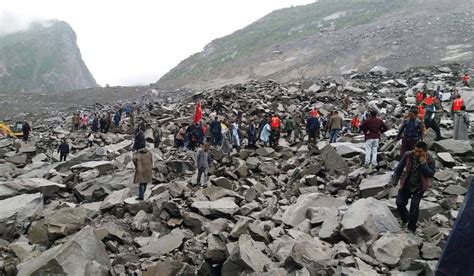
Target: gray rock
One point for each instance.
(330, 229)
(371, 186)
(222, 207)
(245, 258)
(296, 213)
(114, 199)
(308, 251)
(455, 190)
(65, 221)
(447, 159)
(318, 215)
(223, 182)
(349, 150)
(332, 160)
(29, 185)
(165, 244)
(16, 211)
(367, 218)
(392, 249)
(81, 254)
(253, 163)
(455, 147)
(430, 251)
(264, 152)
(443, 176)
(101, 166)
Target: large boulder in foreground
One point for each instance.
(391, 249)
(297, 212)
(367, 218)
(83, 254)
(15, 211)
(29, 185)
(245, 257)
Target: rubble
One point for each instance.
(295, 209)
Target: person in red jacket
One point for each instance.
(466, 79)
(421, 111)
(372, 128)
(355, 123)
(420, 95)
(275, 132)
(457, 104)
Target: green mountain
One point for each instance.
(330, 37)
(43, 58)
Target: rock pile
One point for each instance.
(294, 209)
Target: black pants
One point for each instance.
(432, 124)
(402, 200)
(216, 139)
(62, 157)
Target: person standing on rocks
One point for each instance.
(414, 172)
(420, 96)
(200, 133)
(347, 101)
(117, 119)
(26, 129)
(432, 117)
(290, 127)
(265, 134)
(143, 161)
(251, 135)
(90, 139)
(191, 134)
(85, 121)
(235, 135)
(262, 124)
(157, 136)
(203, 162)
(139, 142)
(312, 128)
(63, 150)
(108, 122)
(275, 131)
(461, 125)
(372, 128)
(216, 132)
(355, 123)
(412, 131)
(466, 79)
(179, 137)
(334, 126)
(457, 104)
(95, 123)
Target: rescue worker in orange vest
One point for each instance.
(420, 95)
(355, 123)
(466, 79)
(457, 103)
(430, 98)
(275, 133)
(421, 111)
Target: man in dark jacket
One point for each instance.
(139, 142)
(414, 172)
(26, 129)
(216, 131)
(373, 127)
(312, 128)
(432, 118)
(203, 161)
(412, 131)
(63, 150)
(252, 135)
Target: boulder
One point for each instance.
(223, 182)
(372, 185)
(447, 159)
(164, 244)
(16, 211)
(264, 152)
(114, 199)
(82, 254)
(391, 249)
(308, 251)
(222, 207)
(455, 147)
(349, 150)
(101, 166)
(245, 258)
(65, 221)
(29, 185)
(367, 218)
(455, 190)
(333, 162)
(297, 212)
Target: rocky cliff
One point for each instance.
(43, 58)
(331, 37)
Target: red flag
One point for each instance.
(198, 115)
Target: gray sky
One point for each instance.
(136, 42)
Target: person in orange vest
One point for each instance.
(421, 111)
(430, 98)
(420, 95)
(466, 79)
(457, 104)
(355, 123)
(275, 132)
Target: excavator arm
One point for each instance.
(5, 130)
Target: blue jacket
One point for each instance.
(312, 123)
(411, 129)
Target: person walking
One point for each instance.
(251, 135)
(414, 173)
(203, 162)
(466, 79)
(235, 135)
(117, 119)
(179, 137)
(355, 123)
(372, 128)
(334, 125)
(312, 127)
(143, 161)
(157, 133)
(139, 141)
(432, 117)
(457, 104)
(412, 131)
(26, 129)
(63, 150)
(291, 127)
(347, 102)
(275, 131)
(216, 131)
(461, 125)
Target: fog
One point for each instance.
(129, 43)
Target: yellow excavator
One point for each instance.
(14, 131)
